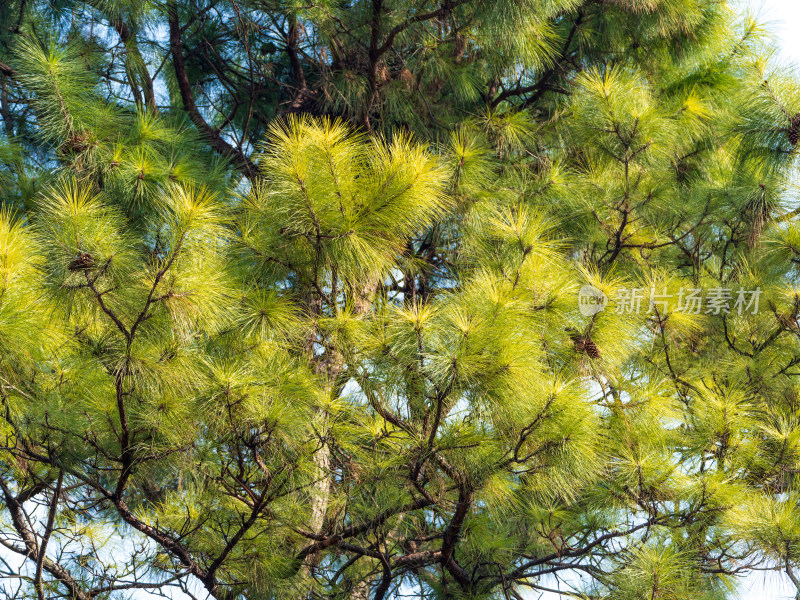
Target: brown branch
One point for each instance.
(48, 531)
(419, 18)
(542, 85)
(451, 536)
(374, 55)
(31, 549)
(162, 539)
(297, 68)
(166, 541)
(104, 307)
(386, 579)
(185, 88)
(521, 571)
(5, 109)
(356, 529)
(132, 47)
(247, 525)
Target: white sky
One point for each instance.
(782, 18)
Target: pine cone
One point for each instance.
(76, 144)
(585, 344)
(793, 132)
(591, 349)
(81, 262)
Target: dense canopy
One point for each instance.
(442, 299)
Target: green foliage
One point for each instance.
(288, 299)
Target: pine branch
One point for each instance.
(523, 571)
(179, 63)
(131, 46)
(48, 530)
(324, 542)
(451, 536)
(301, 86)
(31, 550)
(542, 85)
(446, 7)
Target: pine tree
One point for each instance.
(289, 299)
